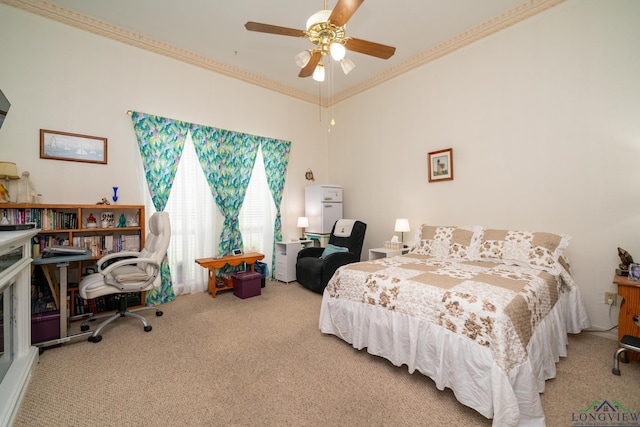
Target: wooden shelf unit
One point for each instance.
(630, 307)
(66, 224)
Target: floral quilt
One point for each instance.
(493, 304)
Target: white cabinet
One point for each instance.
(286, 256)
(17, 356)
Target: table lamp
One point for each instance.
(8, 170)
(303, 222)
(402, 225)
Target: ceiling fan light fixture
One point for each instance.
(316, 18)
(338, 51)
(303, 58)
(347, 65)
(318, 73)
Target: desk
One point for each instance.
(212, 264)
(630, 306)
(62, 262)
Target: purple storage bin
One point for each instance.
(45, 326)
(246, 284)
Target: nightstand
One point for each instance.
(385, 253)
(630, 306)
(286, 257)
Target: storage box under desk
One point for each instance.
(45, 326)
(246, 284)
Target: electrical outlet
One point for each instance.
(610, 298)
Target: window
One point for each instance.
(196, 221)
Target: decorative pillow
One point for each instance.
(537, 250)
(447, 241)
(330, 249)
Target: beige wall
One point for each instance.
(543, 117)
(60, 78)
(544, 122)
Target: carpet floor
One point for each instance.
(262, 361)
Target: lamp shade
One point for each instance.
(402, 225)
(318, 73)
(337, 50)
(347, 65)
(303, 222)
(303, 58)
(8, 170)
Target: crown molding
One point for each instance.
(95, 26)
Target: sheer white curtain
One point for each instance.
(196, 221)
(258, 214)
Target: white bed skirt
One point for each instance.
(510, 398)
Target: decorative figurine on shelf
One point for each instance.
(625, 260)
(26, 191)
(107, 219)
(122, 222)
(133, 220)
(104, 201)
(91, 221)
(4, 194)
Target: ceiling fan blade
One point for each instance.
(370, 48)
(311, 65)
(273, 29)
(343, 11)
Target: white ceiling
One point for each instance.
(215, 30)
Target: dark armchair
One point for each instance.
(314, 272)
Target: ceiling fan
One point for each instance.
(325, 29)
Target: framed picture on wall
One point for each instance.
(440, 165)
(72, 147)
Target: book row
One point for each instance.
(45, 219)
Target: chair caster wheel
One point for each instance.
(97, 338)
(147, 328)
(84, 328)
(159, 313)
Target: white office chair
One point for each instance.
(125, 272)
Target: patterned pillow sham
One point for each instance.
(537, 250)
(447, 241)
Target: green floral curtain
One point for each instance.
(227, 159)
(276, 160)
(161, 141)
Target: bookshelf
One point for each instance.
(115, 228)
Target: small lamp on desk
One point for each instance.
(303, 222)
(402, 225)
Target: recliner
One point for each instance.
(128, 271)
(314, 273)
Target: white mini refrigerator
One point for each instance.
(322, 206)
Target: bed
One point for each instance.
(484, 312)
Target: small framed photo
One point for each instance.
(440, 165)
(237, 252)
(72, 147)
(634, 272)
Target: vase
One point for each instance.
(115, 194)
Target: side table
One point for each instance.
(630, 306)
(377, 253)
(286, 257)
